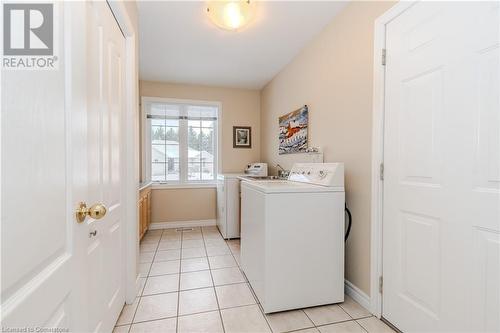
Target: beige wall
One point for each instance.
(240, 107)
(333, 76)
(168, 205)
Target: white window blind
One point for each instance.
(182, 141)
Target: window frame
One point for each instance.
(146, 163)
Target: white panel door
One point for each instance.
(441, 227)
(43, 178)
(104, 253)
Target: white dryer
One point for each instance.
(228, 204)
(292, 237)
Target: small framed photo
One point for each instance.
(242, 137)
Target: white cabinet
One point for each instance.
(228, 205)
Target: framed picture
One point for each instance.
(242, 137)
(293, 131)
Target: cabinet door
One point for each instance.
(148, 209)
(144, 214)
(141, 229)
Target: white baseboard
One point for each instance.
(182, 224)
(356, 294)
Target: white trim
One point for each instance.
(142, 186)
(130, 150)
(146, 153)
(179, 101)
(357, 294)
(167, 186)
(182, 224)
(378, 152)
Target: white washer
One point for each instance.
(292, 237)
(228, 204)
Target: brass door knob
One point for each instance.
(96, 211)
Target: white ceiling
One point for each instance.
(179, 44)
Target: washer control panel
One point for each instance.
(325, 174)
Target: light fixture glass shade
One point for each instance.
(231, 14)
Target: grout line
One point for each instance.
(191, 289)
(347, 313)
(309, 318)
(147, 251)
(208, 311)
(219, 269)
(165, 260)
(301, 329)
(184, 315)
(143, 286)
(213, 282)
(261, 309)
(265, 318)
(179, 286)
(339, 322)
(156, 319)
(251, 288)
(362, 327)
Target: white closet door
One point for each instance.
(441, 227)
(104, 249)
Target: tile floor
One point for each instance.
(191, 282)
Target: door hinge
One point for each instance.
(384, 57)
(381, 171)
(380, 284)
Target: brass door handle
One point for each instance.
(96, 211)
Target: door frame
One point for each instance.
(130, 150)
(377, 186)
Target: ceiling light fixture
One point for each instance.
(231, 14)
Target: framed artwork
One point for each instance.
(293, 131)
(242, 137)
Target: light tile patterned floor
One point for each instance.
(191, 282)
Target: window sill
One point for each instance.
(159, 186)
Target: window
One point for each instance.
(180, 141)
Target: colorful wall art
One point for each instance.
(293, 131)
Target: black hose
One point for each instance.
(350, 222)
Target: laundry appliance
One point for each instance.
(228, 198)
(292, 237)
(256, 170)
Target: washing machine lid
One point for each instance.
(287, 186)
